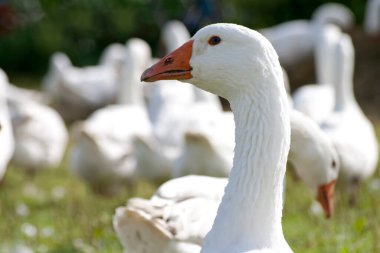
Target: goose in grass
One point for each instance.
(103, 153)
(317, 100)
(75, 91)
(40, 134)
(351, 132)
(249, 215)
(6, 132)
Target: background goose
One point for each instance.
(372, 18)
(40, 135)
(76, 92)
(317, 100)
(103, 152)
(169, 106)
(351, 132)
(209, 150)
(6, 132)
(208, 142)
(295, 40)
(28, 94)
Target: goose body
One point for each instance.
(358, 153)
(40, 135)
(76, 92)
(208, 142)
(6, 132)
(317, 100)
(103, 152)
(28, 94)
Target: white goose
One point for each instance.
(40, 134)
(372, 17)
(317, 100)
(169, 107)
(249, 216)
(295, 40)
(6, 132)
(182, 210)
(208, 142)
(103, 152)
(351, 132)
(76, 92)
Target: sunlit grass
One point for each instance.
(55, 212)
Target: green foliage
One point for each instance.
(83, 28)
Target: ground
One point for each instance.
(55, 212)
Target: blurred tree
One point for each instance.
(33, 29)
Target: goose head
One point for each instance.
(137, 55)
(113, 55)
(314, 158)
(335, 13)
(217, 59)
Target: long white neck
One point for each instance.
(131, 89)
(344, 90)
(249, 216)
(327, 36)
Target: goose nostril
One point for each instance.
(168, 61)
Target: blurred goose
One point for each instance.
(208, 143)
(295, 40)
(76, 92)
(103, 153)
(40, 135)
(317, 100)
(351, 132)
(6, 132)
(312, 154)
(372, 17)
(28, 94)
(167, 107)
(249, 222)
(170, 108)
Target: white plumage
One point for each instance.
(351, 132)
(76, 92)
(6, 132)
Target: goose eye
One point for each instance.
(333, 164)
(214, 40)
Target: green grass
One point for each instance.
(67, 216)
(64, 216)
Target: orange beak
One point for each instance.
(326, 197)
(174, 66)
